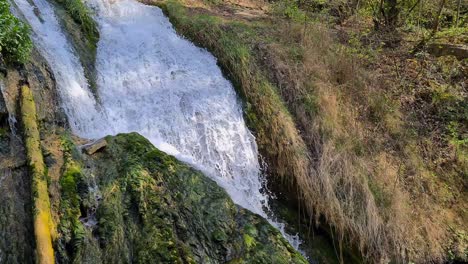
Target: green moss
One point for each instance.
(249, 241)
(156, 209)
(72, 231)
(68, 182)
(220, 235)
(44, 229)
(250, 230)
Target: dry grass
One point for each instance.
(368, 177)
(337, 186)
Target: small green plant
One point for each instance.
(455, 138)
(15, 43)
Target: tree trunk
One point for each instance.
(392, 13)
(435, 28)
(389, 13)
(439, 13)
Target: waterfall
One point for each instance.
(77, 100)
(152, 81)
(156, 83)
(11, 117)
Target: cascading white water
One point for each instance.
(78, 101)
(11, 118)
(152, 81)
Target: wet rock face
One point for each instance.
(3, 112)
(16, 224)
(93, 147)
(16, 229)
(154, 209)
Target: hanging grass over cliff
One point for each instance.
(44, 229)
(15, 44)
(81, 14)
(77, 19)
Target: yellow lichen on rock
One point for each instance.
(43, 225)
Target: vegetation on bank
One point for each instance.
(44, 229)
(15, 43)
(381, 154)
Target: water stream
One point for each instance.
(152, 81)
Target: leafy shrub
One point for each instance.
(15, 43)
(289, 9)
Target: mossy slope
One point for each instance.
(154, 209)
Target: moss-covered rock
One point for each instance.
(152, 208)
(43, 224)
(17, 240)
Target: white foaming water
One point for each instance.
(173, 93)
(78, 102)
(152, 81)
